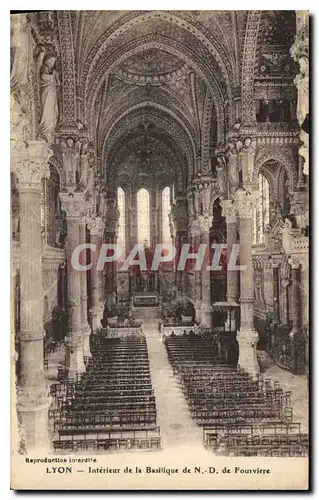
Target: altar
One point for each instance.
(146, 299)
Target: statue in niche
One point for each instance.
(102, 203)
(221, 175)
(22, 45)
(86, 182)
(21, 127)
(61, 232)
(84, 169)
(302, 83)
(233, 174)
(267, 235)
(71, 154)
(49, 81)
(286, 236)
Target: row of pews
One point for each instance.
(240, 416)
(112, 405)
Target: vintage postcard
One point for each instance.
(160, 250)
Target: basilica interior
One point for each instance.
(151, 127)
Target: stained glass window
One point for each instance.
(121, 222)
(143, 216)
(166, 208)
(261, 213)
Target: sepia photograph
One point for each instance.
(159, 166)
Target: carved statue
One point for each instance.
(84, 171)
(233, 174)
(22, 47)
(221, 175)
(206, 198)
(87, 174)
(21, 127)
(61, 233)
(302, 84)
(71, 155)
(197, 202)
(49, 81)
(102, 203)
(286, 236)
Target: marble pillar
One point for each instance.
(247, 336)
(73, 204)
(205, 224)
(179, 224)
(33, 401)
(295, 299)
(96, 228)
(86, 329)
(276, 296)
(230, 213)
(195, 240)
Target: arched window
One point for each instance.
(121, 222)
(261, 212)
(143, 216)
(166, 208)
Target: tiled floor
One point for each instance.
(177, 426)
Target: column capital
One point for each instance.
(73, 204)
(30, 163)
(294, 263)
(229, 211)
(96, 226)
(204, 223)
(246, 202)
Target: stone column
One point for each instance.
(230, 213)
(295, 298)
(73, 204)
(247, 337)
(205, 224)
(29, 164)
(195, 240)
(96, 227)
(179, 223)
(276, 299)
(86, 329)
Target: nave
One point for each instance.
(154, 393)
(177, 128)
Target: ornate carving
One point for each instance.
(68, 68)
(74, 204)
(229, 210)
(21, 79)
(300, 53)
(30, 163)
(245, 202)
(248, 67)
(221, 174)
(233, 167)
(70, 148)
(96, 226)
(49, 81)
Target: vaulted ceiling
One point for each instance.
(165, 82)
(166, 73)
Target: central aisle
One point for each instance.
(173, 416)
